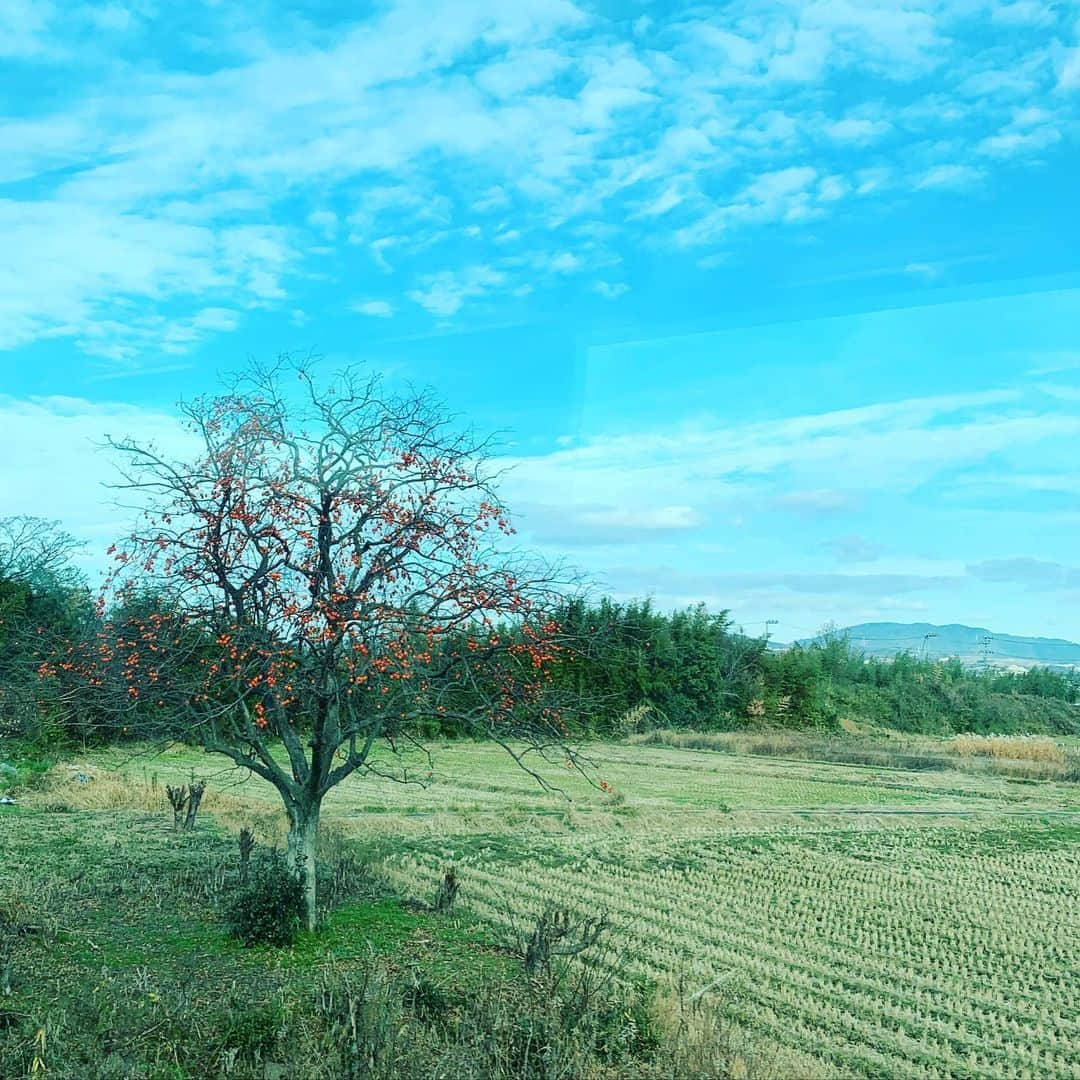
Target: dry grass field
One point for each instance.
(849, 920)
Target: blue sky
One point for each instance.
(778, 304)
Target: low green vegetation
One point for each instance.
(114, 963)
(117, 960)
(797, 917)
(267, 908)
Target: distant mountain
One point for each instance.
(970, 644)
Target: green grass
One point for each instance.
(109, 919)
(864, 920)
(165, 912)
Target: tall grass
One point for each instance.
(800, 747)
(1029, 757)
(1014, 747)
(88, 787)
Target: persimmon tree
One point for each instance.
(331, 569)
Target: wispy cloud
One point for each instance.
(611, 290)
(792, 465)
(379, 309)
(451, 146)
(853, 549)
(604, 525)
(1035, 574)
(639, 580)
(949, 176)
(444, 293)
(55, 445)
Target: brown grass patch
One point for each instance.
(87, 787)
(1013, 747)
(1030, 757)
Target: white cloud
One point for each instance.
(667, 200)
(1023, 13)
(853, 548)
(610, 290)
(1050, 363)
(443, 293)
(1034, 574)
(832, 188)
(815, 502)
(778, 195)
(713, 260)
(857, 129)
(871, 180)
(523, 69)
(493, 199)
(325, 221)
(617, 81)
(1029, 130)
(152, 186)
(23, 27)
(741, 52)
(895, 41)
(380, 309)
(1069, 75)
(54, 445)
(949, 176)
(581, 526)
(377, 247)
(790, 465)
(66, 261)
(565, 262)
(718, 588)
(215, 318)
(928, 271)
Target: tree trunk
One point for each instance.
(300, 853)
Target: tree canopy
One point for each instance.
(334, 568)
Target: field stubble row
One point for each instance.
(866, 937)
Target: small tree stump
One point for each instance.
(448, 890)
(247, 842)
(178, 800)
(195, 794)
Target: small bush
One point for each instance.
(428, 1001)
(267, 911)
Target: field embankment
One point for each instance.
(1029, 757)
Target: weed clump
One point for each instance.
(268, 909)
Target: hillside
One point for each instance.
(967, 643)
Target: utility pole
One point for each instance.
(987, 642)
(768, 623)
(926, 638)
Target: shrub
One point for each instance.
(268, 910)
